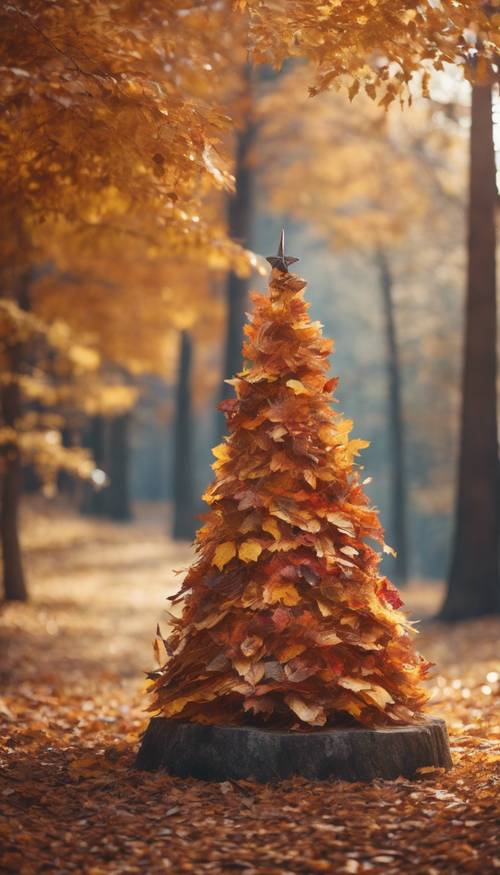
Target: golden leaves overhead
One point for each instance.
(376, 45)
(375, 175)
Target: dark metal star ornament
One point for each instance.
(280, 260)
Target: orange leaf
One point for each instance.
(223, 554)
(276, 591)
(249, 551)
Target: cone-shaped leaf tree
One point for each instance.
(286, 618)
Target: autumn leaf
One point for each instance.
(355, 684)
(277, 591)
(378, 695)
(224, 553)
(297, 387)
(249, 551)
(251, 645)
(271, 526)
(308, 713)
(159, 648)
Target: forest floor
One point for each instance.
(72, 708)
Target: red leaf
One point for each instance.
(390, 594)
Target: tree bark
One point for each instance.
(14, 581)
(94, 500)
(184, 523)
(473, 584)
(117, 494)
(240, 216)
(395, 424)
(66, 480)
(222, 753)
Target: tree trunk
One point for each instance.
(396, 425)
(14, 581)
(13, 575)
(222, 753)
(94, 499)
(117, 494)
(66, 480)
(184, 524)
(241, 211)
(473, 585)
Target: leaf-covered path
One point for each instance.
(72, 707)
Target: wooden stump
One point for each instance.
(219, 753)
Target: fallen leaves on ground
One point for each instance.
(71, 710)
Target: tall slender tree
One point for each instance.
(473, 585)
(11, 464)
(240, 216)
(184, 523)
(117, 495)
(96, 441)
(396, 422)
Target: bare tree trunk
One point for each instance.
(94, 500)
(65, 480)
(14, 581)
(117, 494)
(241, 211)
(473, 584)
(184, 523)
(396, 425)
(13, 575)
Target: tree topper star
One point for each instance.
(280, 260)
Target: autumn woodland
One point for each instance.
(249, 471)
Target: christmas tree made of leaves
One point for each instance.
(286, 619)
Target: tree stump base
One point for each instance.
(220, 753)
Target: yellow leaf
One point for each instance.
(349, 551)
(308, 712)
(281, 592)
(355, 684)
(328, 434)
(223, 554)
(310, 478)
(221, 451)
(342, 523)
(324, 608)
(297, 387)
(378, 695)
(277, 433)
(327, 638)
(250, 550)
(356, 445)
(271, 526)
(389, 550)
